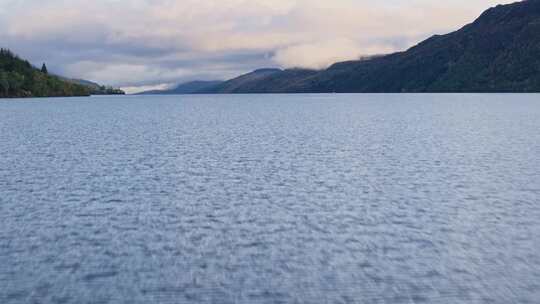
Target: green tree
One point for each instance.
(16, 81)
(44, 69)
(4, 84)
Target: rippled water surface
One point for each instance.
(271, 199)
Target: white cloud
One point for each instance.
(138, 89)
(321, 54)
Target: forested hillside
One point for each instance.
(18, 78)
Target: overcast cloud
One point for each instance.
(138, 44)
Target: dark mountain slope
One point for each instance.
(263, 81)
(499, 52)
(185, 88)
(242, 83)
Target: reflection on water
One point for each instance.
(271, 199)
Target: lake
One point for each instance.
(271, 199)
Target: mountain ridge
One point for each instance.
(497, 52)
(191, 87)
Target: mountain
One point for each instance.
(499, 52)
(262, 81)
(18, 78)
(191, 87)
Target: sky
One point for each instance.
(149, 44)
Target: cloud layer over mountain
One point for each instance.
(135, 43)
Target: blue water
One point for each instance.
(271, 199)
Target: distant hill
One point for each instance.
(18, 78)
(499, 52)
(185, 88)
(261, 81)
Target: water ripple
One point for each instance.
(271, 199)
